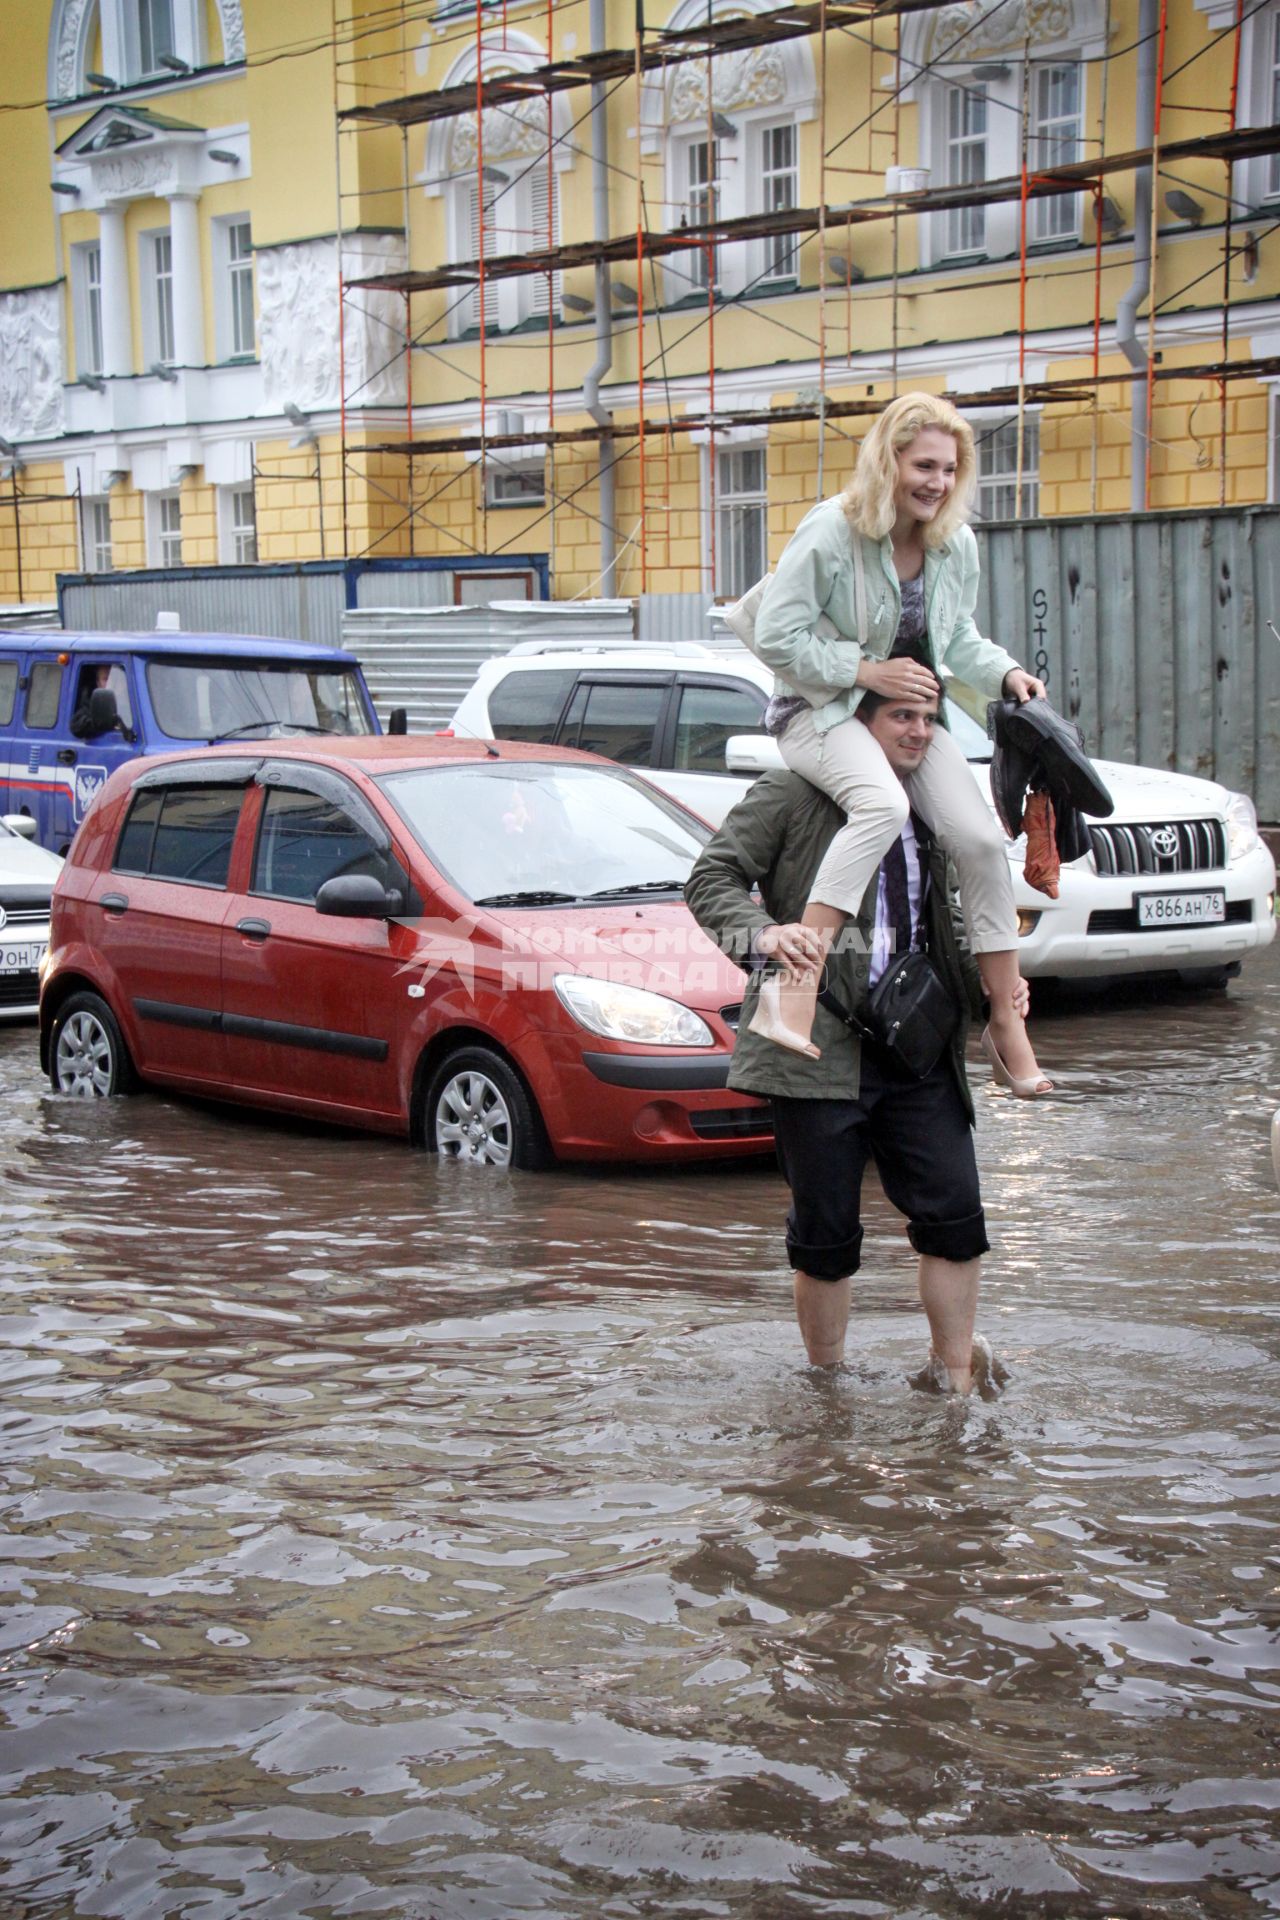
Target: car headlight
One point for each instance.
(1242, 826)
(630, 1013)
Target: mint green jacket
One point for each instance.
(815, 577)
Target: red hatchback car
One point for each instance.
(484, 948)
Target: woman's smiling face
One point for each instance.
(926, 477)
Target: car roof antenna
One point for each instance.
(491, 750)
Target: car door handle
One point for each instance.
(115, 902)
(253, 929)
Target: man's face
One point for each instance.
(904, 729)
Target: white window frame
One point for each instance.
(158, 337)
(970, 234)
(238, 524)
(515, 193)
(732, 502)
(995, 437)
(86, 305)
(231, 270)
(96, 532)
(778, 261)
(515, 482)
(161, 534)
(122, 39)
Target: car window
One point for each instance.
(8, 690)
(44, 694)
(211, 699)
(618, 721)
(180, 833)
(304, 841)
(527, 706)
(708, 717)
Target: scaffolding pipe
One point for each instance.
(1140, 286)
(604, 318)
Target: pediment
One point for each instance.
(112, 128)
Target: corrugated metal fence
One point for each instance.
(1152, 631)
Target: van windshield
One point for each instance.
(220, 699)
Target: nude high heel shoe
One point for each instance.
(1033, 1086)
(767, 1021)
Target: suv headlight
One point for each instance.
(630, 1013)
(1242, 826)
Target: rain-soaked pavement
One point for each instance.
(389, 1537)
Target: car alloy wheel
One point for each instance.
(90, 1060)
(479, 1111)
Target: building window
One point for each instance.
(778, 194)
(702, 205)
(966, 165)
(521, 209)
(240, 286)
(998, 468)
(241, 545)
(742, 520)
(508, 484)
(86, 298)
(1054, 142)
(166, 529)
(157, 304)
(154, 27)
(1273, 90)
(97, 535)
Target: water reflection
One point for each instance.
(394, 1537)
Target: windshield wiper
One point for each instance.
(252, 726)
(638, 886)
(530, 897)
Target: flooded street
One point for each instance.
(394, 1538)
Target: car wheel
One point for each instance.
(478, 1110)
(89, 1057)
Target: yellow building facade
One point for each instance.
(242, 321)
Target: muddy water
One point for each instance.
(393, 1538)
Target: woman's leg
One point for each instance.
(848, 764)
(947, 797)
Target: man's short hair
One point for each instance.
(870, 704)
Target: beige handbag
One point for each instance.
(741, 618)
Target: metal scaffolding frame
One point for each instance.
(651, 434)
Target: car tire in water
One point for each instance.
(88, 1056)
(478, 1109)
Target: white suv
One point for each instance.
(1177, 879)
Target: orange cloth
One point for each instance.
(1042, 865)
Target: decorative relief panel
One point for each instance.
(977, 29)
(510, 133)
(31, 363)
(753, 78)
(69, 30)
(131, 176)
(298, 306)
(231, 15)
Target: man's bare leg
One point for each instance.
(822, 1309)
(949, 1296)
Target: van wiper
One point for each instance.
(530, 897)
(254, 726)
(638, 886)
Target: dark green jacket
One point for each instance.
(774, 839)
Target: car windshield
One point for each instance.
(966, 717)
(521, 832)
(218, 699)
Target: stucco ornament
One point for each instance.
(129, 176)
(755, 77)
(31, 363)
(977, 30)
(231, 14)
(514, 132)
(298, 308)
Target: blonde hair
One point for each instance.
(868, 499)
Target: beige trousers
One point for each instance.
(849, 765)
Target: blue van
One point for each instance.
(74, 706)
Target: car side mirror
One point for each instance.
(752, 753)
(357, 896)
(104, 714)
(21, 823)
(398, 720)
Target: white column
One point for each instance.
(188, 296)
(117, 332)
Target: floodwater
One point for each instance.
(394, 1538)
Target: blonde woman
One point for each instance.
(876, 589)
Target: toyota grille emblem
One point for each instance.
(1164, 841)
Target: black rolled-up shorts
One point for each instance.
(918, 1134)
